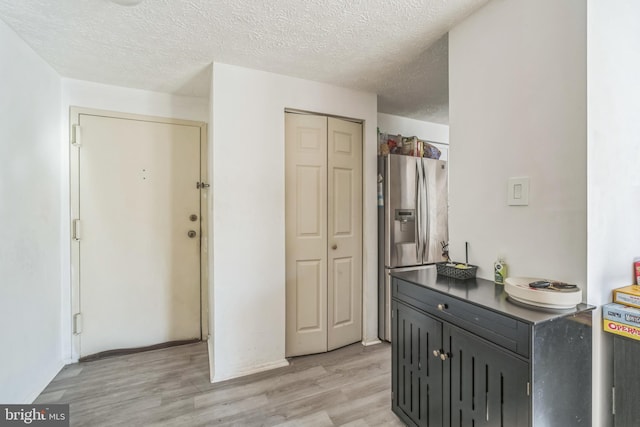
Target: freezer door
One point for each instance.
(400, 183)
(437, 210)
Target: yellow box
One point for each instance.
(621, 329)
(629, 295)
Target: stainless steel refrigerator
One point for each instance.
(412, 221)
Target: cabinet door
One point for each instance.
(487, 386)
(417, 373)
(626, 378)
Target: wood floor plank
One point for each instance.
(355, 409)
(282, 382)
(318, 419)
(349, 386)
(50, 397)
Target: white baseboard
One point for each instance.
(211, 358)
(249, 371)
(371, 342)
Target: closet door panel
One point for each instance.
(344, 203)
(306, 234)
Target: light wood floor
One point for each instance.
(350, 386)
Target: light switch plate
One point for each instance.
(518, 191)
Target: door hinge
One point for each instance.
(528, 388)
(613, 400)
(77, 324)
(200, 185)
(76, 230)
(76, 136)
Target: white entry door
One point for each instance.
(139, 232)
(323, 233)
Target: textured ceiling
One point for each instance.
(395, 48)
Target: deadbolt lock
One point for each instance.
(193, 217)
(192, 234)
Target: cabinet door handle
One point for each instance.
(442, 307)
(445, 356)
(437, 353)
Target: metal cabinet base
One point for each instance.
(456, 362)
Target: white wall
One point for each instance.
(406, 126)
(79, 93)
(85, 94)
(436, 133)
(518, 107)
(613, 168)
(517, 79)
(248, 270)
(30, 205)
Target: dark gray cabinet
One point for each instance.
(417, 379)
(487, 386)
(445, 376)
(626, 382)
(462, 355)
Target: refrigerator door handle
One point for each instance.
(417, 221)
(419, 211)
(426, 224)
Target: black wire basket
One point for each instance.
(457, 273)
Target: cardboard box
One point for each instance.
(629, 295)
(621, 313)
(618, 328)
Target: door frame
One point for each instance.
(362, 216)
(74, 207)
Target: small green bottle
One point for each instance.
(500, 271)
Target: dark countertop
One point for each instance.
(486, 294)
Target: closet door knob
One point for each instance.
(334, 246)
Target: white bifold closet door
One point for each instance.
(323, 233)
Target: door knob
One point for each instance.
(445, 356)
(436, 353)
(192, 234)
(193, 217)
(334, 247)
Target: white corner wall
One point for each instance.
(544, 95)
(517, 94)
(30, 209)
(248, 269)
(613, 170)
(80, 93)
